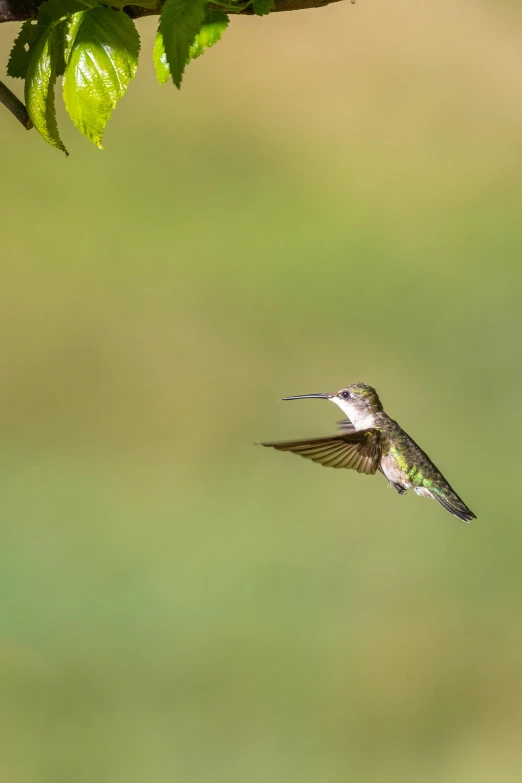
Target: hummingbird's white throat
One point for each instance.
(361, 419)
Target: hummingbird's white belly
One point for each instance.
(392, 471)
(397, 476)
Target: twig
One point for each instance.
(19, 10)
(15, 106)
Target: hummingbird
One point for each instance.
(369, 441)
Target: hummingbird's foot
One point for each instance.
(400, 489)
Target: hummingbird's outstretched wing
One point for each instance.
(360, 451)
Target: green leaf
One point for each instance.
(213, 27)
(40, 55)
(61, 46)
(53, 11)
(39, 87)
(102, 61)
(71, 27)
(180, 22)
(160, 60)
(49, 14)
(22, 50)
(262, 7)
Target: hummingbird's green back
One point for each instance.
(415, 469)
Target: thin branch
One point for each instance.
(20, 10)
(15, 106)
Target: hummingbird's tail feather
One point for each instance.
(454, 505)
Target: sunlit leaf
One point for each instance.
(39, 87)
(180, 22)
(102, 61)
(50, 14)
(160, 60)
(213, 27)
(71, 27)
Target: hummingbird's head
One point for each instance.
(358, 401)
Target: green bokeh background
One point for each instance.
(334, 196)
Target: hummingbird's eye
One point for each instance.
(345, 395)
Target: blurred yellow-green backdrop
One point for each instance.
(334, 196)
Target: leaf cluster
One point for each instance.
(95, 48)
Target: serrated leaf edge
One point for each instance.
(86, 130)
(48, 128)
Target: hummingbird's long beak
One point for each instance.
(310, 396)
